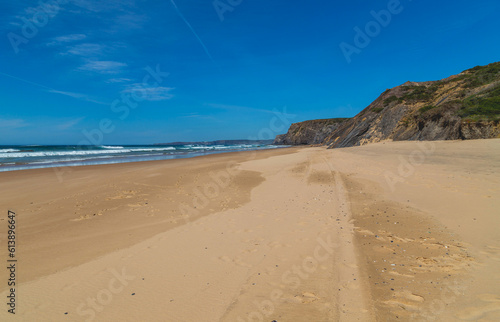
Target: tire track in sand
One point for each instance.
(353, 301)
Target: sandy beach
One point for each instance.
(393, 231)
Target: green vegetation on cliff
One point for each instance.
(482, 106)
(482, 75)
(474, 94)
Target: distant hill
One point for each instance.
(463, 106)
(220, 142)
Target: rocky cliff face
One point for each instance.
(309, 132)
(464, 106)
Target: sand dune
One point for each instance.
(389, 231)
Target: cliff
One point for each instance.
(463, 106)
(309, 132)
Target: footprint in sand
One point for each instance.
(304, 298)
(406, 305)
(406, 300)
(308, 297)
(410, 296)
(403, 240)
(402, 275)
(123, 195)
(365, 232)
(426, 261)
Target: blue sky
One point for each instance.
(231, 65)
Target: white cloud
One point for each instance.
(66, 39)
(150, 93)
(118, 80)
(86, 50)
(103, 66)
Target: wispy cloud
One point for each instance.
(103, 66)
(94, 50)
(52, 90)
(150, 93)
(79, 96)
(97, 57)
(86, 50)
(69, 124)
(118, 80)
(66, 39)
(12, 123)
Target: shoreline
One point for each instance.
(7, 167)
(365, 233)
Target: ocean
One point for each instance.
(21, 157)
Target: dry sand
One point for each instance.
(388, 231)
